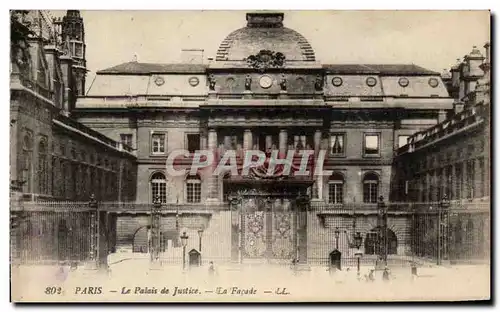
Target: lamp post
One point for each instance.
(200, 234)
(358, 240)
(94, 228)
(382, 228)
(155, 230)
(184, 241)
(337, 234)
(442, 229)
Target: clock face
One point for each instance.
(266, 82)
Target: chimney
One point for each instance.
(192, 56)
(487, 56)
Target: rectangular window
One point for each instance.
(372, 145)
(158, 143)
(193, 191)
(370, 192)
(337, 144)
(482, 191)
(193, 142)
(126, 139)
(470, 178)
(402, 140)
(458, 181)
(335, 193)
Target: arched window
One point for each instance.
(42, 167)
(159, 187)
(336, 189)
(193, 189)
(370, 188)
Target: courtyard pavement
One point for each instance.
(250, 283)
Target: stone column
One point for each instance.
(203, 142)
(227, 142)
(283, 141)
(269, 142)
(247, 139)
(318, 186)
(317, 141)
(213, 181)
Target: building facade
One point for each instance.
(264, 90)
(452, 159)
(53, 157)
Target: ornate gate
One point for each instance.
(269, 224)
(268, 229)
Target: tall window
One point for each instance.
(158, 143)
(336, 189)
(42, 167)
(402, 140)
(27, 160)
(482, 191)
(459, 181)
(470, 178)
(126, 139)
(370, 188)
(337, 144)
(193, 142)
(193, 189)
(159, 187)
(371, 145)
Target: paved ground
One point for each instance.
(258, 282)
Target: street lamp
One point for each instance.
(184, 241)
(382, 228)
(442, 228)
(200, 234)
(337, 234)
(358, 240)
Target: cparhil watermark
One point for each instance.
(270, 163)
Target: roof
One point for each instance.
(148, 68)
(247, 41)
(380, 69)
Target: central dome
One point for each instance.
(265, 31)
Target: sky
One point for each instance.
(432, 39)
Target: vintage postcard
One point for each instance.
(249, 156)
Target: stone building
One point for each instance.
(264, 90)
(452, 159)
(53, 157)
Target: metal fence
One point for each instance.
(48, 232)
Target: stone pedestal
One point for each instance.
(247, 94)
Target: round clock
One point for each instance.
(194, 81)
(159, 81)
(404, 82)
(371, 82)
(337, 81)
(433, 82)
(266, 82)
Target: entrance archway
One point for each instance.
(141, 240)
(372, 243)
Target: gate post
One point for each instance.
(303, 207)
(382, 228)
(443, 230)
(155, 232)
(94, 233)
